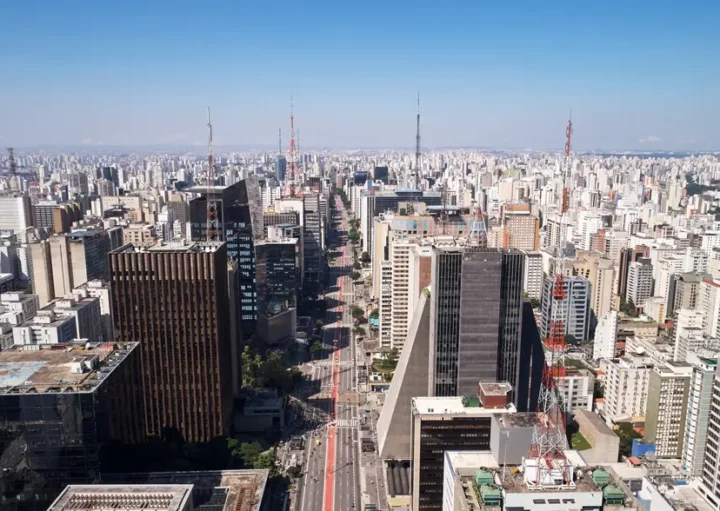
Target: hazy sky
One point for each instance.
(637, 74)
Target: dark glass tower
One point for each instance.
(475, 318)
(60, 406)
(241, 225)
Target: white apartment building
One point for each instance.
(15, 213)
(576, 390)
(606, 336)
(668, 266)
(710, 240)
(385, 309)
(400, 258)
(639, 283)
(668, 387)
(626, 387)
(689, 333)
(655, 308)
(695, 260)
(698, 413)
(533, 275)
(45, 328)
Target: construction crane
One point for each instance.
(212, 226)
(547, 465)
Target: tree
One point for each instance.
(358, 330)
(354, 275)
(374, 314)
(294, 471)
(248, 451)
(319, 324)
(353, 235)
(629, 308)
(316, 348)
(251, 363)
(357, 313)
(627, 434)
(392, 357)
(357, 265)
(365, 257)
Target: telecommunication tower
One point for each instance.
(546, 459)
(212, 204)
(416, 174)
(292, 170)
(11, 161)
(279, 141)
(478, 232)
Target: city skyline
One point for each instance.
(498, 77)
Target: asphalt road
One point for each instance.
(331, 475)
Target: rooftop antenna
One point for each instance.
(292, 154)
(13, 163)
(478, 233)
(417, 146)
(212, 216)
(549, 440)
(444, 213)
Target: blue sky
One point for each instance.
(637, 74)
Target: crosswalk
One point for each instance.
(347, 423)
(329, 363)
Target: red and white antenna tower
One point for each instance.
(212, 214)
(547, 460)
(292, 171)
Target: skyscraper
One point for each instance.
(240, 218)
(575, 308)
(475, 318)
(467, 327)
(173, 300)
(58, 409)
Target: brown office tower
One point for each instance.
(172, 299)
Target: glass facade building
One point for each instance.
(55, 423)
(240, 215)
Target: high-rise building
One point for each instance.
(173, 300)
(689, 333)
(475, 317)
(88, 254)
(606, 336)
(626, 386)
(241, 224)
(627, 256)
(469, 322)
(385, 305)
(599, 270)
(521, 229)
(280, 167)
(381, 174)
(15, 213)
(667, 402)
(441, 424)
(533, 275)
(574, 308)
(278, 273)
(640, 282)
(698, 412)
(373, 203)
(58, 409)
(710, 486)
